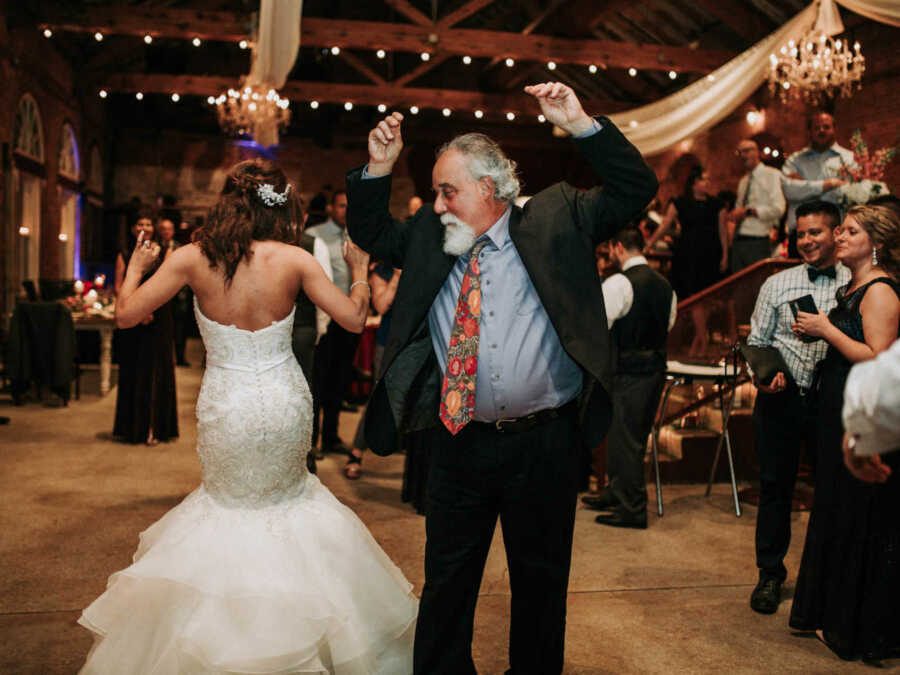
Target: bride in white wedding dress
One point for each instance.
(260, 569)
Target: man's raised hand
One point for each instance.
(561, 107)
(385, 144)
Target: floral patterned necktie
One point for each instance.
(458, 390)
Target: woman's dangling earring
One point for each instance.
(874, 256)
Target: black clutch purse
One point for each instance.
(764, 362)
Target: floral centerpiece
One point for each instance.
(865, 174)
(92, 298)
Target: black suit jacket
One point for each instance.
(555, 235)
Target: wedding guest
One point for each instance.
(871, 415)
(760, 205)
(811, 173)
(146, 411)
(333, 364)
(384, 281)
(182, 310)
(850, 572)
(700, 256)
(784, 418)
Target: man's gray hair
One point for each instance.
(485, 158)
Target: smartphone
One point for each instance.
(804, 303)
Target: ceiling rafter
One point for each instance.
(357, 64)
(229, 26)
(403, 7)
(463, 13)
(420, 70)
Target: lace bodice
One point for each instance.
(254, 414)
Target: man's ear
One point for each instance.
(486, 186)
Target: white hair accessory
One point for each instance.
(266, 192)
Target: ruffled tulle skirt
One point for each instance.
(295, 587)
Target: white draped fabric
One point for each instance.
(277, 43)
(656, 127)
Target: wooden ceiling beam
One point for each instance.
(357, 64)
(404, 37)
(403, 7)
(359, 94)
(463, 13)
(735, 16)
(420, 70)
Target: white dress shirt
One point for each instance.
(618, 294)
(872, 403)
(765, 196)
(321, 254)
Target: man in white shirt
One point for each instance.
(758, 209)
(811, 173)
(640, 310)
(872, 415)
(784, 416)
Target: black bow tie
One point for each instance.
(827, 272)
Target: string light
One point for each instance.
(348, 106)
(775, 153)
(592, 69)
(98, 36)
(148, 38)
(510, 116)
(446, 112)
(633, 123)
(139, 96)
(632, 71)
(710, 78)
(551, 65)
(335, 50)
(510, 63)
(243, 44)
(425, 56)
(314, 105)
(467, 59)
(479, 114)
(48, 33)
(380, 53)
(414, 109)
(175, 98)
(196, 42)
(211, 100)
(672, 74)
(103, 93)
(382, 108)
(63, 237)
(542, 119)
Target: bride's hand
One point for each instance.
(357, 259)
(145, 254)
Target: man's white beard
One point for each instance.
(459, 238)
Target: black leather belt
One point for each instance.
(515, 425)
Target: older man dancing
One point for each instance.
(492, 346)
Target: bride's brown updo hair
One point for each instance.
(242, 216)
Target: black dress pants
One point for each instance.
(783, 422)
(635, 399)
(529, 480)
(332, 373)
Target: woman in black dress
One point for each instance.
(849, 581)
(145, 400)
(700, 255)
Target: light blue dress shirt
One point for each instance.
(813, 167)
(522, 366)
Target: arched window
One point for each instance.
(28, 134)
(95, 175)
(69, 160)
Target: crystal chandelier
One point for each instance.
(816, 65)
(253, 110)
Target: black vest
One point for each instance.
(306, 310)
(640, 336)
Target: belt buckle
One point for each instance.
(498, 424)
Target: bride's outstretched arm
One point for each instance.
(349, 311)
(135, 300)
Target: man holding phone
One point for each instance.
(783, 416)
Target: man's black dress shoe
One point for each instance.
(619, 519)
(766, 596)
(603, 501)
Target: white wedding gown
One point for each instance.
(260, 569)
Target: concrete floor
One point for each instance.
(671, 599)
